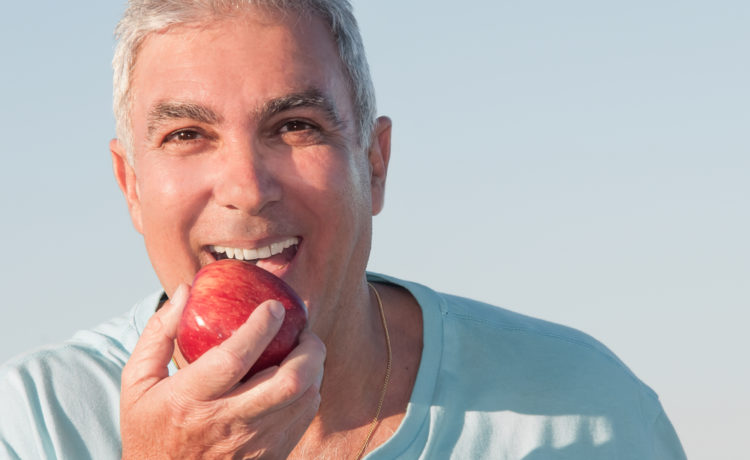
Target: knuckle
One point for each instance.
(320, 347)
(133, 384)
(153, 326)
(314, 346)
(290, 386)
(313, 407)
(228, 361)
(309, 404)
(315, 398)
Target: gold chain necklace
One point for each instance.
(387, 378)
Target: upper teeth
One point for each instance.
(256, 253)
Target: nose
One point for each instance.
(247, 180)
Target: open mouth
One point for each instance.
(273, 257)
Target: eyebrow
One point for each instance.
(165, 111)
(311, 98)
(176, 110)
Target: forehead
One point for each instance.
(239, 62)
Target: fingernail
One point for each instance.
(277, 309)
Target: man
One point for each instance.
(247, 130)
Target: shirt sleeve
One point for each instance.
(21, 435)
(7, 452)
(60, 403)
(666, 443)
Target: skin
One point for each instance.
(244, 136)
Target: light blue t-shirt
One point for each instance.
(491, 384)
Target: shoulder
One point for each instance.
(63, 400)
(526, 387)
(484, 348)
(475, 324)
(474, 318)
(108, 344)
(547, 358)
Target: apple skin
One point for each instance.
(223, 295)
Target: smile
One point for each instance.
(254, 254)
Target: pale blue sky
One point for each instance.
(581, 161)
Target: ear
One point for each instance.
(125, 175)
(379, 155)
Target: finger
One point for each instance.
(301, 371)
(153, 351)
(220, 368)
(292, 421)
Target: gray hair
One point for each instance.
(144, 17)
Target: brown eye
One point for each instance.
(185, 135)
(298, 133)
(296, 125)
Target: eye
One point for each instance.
(295, 125)
(183, 135)
(299, 133)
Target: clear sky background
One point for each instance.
(584, 161)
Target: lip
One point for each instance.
(276, 255)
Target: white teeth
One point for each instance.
(255, 253)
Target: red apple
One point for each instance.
(223, 296)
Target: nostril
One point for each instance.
(247, 185)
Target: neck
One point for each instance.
(356, 357)
(352, 330)
(355, 372)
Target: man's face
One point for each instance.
(245, 143)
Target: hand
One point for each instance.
(201, 412)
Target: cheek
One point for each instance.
(338, 177)
(171, 197)
(168, 187)
(173, 200)
(337, 194)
